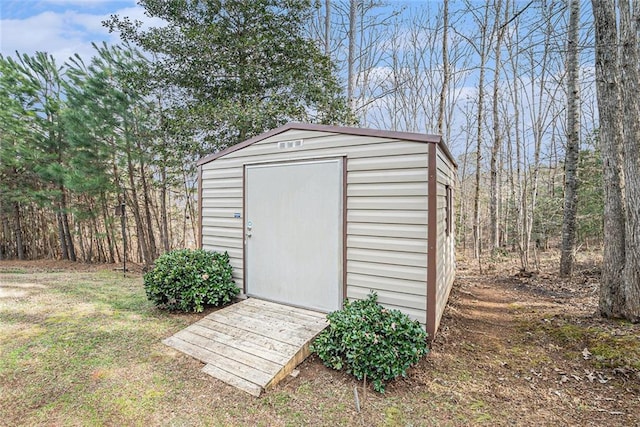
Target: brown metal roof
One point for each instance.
(407, 136)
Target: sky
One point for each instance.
(60, 27)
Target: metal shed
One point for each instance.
(313, 214)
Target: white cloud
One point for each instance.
(60, 34)
(65, 33)
(81, 2)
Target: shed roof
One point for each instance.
(407, 136)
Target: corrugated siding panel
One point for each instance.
(386, 210)
(446, 245)
(387, 243)
(392, 203)
(222, 202)
(209, 210)
(386, 163)
(390, 189)
(387, 217)
(409, 231)
(387, 270)
(388, 175)
(210, 174)
(223, 192)
(229, 243)
(210, 231)
(224, 222)
(413, 287)
(386, 257)
(393, 300)
(223, 183)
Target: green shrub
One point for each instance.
(187, 280)
(367, 339)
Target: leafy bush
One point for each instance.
(367, 339)
(187, 280)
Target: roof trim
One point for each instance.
(408, 136)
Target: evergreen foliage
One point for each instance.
(370, 341)
(189, 280)
(243, 67)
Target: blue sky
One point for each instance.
(60, 27)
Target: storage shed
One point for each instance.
(313, 214)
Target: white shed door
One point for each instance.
(294, 233)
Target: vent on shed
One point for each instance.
(283, 145)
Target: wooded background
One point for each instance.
(511, 85)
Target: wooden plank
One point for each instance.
(233, 380)
(262, 325)
(284, 323)
(239, 344)
(295, 323)
(268, 343)
(247, 372)
(296, 311)
(267, 366)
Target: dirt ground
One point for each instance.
(512, 349)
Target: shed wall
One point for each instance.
(445, 257)
(386, 186)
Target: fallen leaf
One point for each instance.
(586, 354)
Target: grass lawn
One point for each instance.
(84, 348)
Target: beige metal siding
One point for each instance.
(445, 261)
(386, 210)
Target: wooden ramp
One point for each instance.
(252, 344)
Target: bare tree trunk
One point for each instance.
(108, 229)
(519, 189)
(17, 231)
(353, 8)
(65, 224)
(609, 107)
(63, 241)
(327, 28)
(629, 15)
(153, 251)
(133, 202)
(445, 66)
(494, 236)
(477, 243)
(164, 226)
(573, 144)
